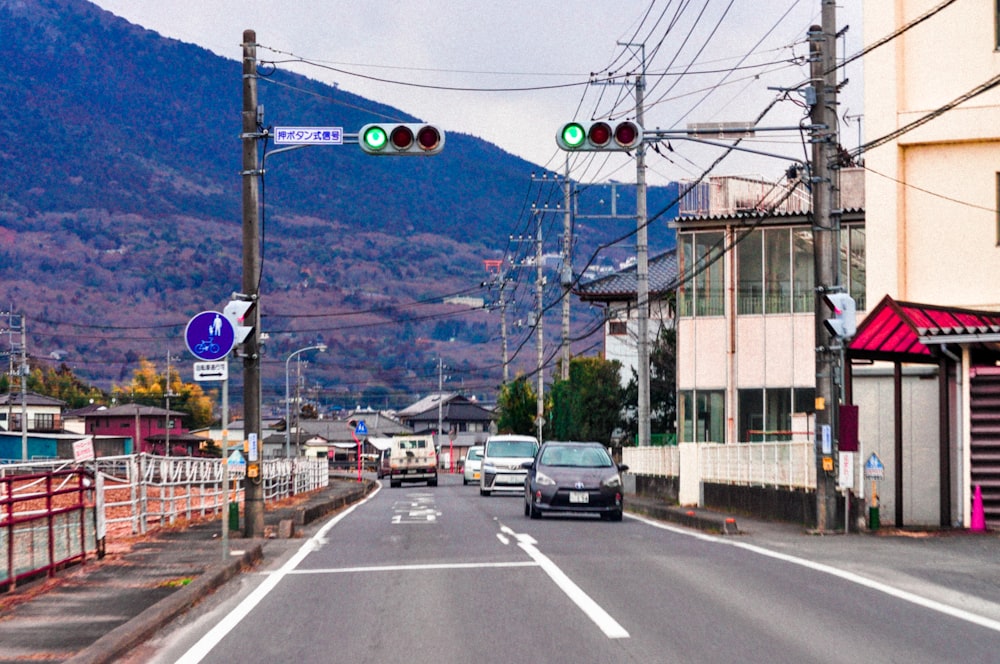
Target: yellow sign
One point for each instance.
(820, 403)
(253, 469)
(827, 465)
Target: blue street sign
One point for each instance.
(874, 470)
(361, 429)
(209, 336)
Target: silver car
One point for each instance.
(503, 456)
(473, 464)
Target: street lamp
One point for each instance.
(288, 431)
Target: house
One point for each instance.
(616, 293)
(153, 430)
(337, 440)
(40, 413)
(927, 393)
(463, 423)
(746, 333)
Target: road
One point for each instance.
(442, 574)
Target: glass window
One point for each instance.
(710, 416)
(685, 408)
(686, 286)
(858, 275)
(778, 276)
(750, 273)
(751, 414)
(779, 414)
(804, 272)
(708, 286)
(804, 400)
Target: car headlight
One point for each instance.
(544, 480)
(613, 482)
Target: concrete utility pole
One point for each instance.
(253, 494)
(826, 248)
(566, 277)
(539, 329)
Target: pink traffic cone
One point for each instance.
(978, 522)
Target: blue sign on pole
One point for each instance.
(209, 336)
(361, 429)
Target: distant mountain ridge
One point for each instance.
(120, 211)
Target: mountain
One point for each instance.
(120, 216)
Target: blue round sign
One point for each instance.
(209, 336)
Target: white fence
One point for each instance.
(784, 464)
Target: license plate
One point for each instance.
(579, 497)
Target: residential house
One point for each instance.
(153, 430)
(40, 413)
(928, 405)
(463, 423)
(616, 293)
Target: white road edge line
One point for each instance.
(898, 593)
(601, 618)
(199, 650)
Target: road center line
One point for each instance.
(601, 618)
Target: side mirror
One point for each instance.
(527, 464)
(623, 468)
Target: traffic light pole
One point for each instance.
(253, 492)
(642, 266)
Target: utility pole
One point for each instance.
(539, 329)
(567, 271)
(826, 247)
(253, 511)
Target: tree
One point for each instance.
(662, 386)
(588, 406)
(517, 406)
(60, 384)
(148, 387)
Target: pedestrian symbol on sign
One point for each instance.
(361, 429)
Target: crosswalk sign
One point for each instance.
(361, 429)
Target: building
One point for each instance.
(152, 429)
(41, 414)
(616, 293)
(463, 423)
(746, 333)
(932, 126)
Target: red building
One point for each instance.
(147, 426)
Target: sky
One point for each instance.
(513, 72)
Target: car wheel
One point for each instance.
(432, 482)
(527, 508)
(616, 515)
(534, 512)
(395, 484)
(484, 492)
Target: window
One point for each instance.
(750, 273)
(852, 263)
(803, 271)
(701, 292)
(617, 328)
(765, 415)
(702, 416)
(778, 280)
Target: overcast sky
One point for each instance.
(513, 71)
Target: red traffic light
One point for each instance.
(401, 137)
(599, 134)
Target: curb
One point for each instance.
(711, 523)
(136, 631)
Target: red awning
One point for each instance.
(909, 332)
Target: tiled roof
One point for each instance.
(622, 285)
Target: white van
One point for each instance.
(413, 459)
(501, 466)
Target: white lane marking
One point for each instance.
(601, 618)
(199, 650)
(410, 568)
(503, 539)
(904, 595)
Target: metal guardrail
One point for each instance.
(125, 495)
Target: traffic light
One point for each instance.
(401, 139)
(596, 136)
(241, 314)
(843, 323)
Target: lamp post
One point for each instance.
(288, 431)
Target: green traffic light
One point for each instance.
(375, 138)
(573, 135)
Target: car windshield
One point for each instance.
(577, 456)
(512, 449)
(475, 455)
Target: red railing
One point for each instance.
(43, 523)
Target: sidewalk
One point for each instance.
(100, 610)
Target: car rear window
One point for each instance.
(512, 449)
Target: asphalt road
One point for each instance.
(442, 574)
